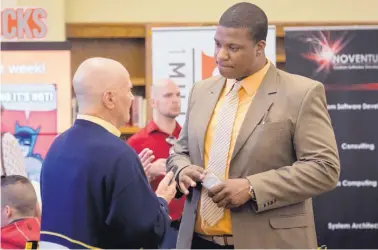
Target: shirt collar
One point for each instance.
(152, 127)
(251, 83)
(106, 125)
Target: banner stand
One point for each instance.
(345, 60)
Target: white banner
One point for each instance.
(186, 55)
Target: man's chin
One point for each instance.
(229, 74)
(173, 115)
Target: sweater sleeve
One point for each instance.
(135, 212)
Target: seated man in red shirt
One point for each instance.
(19, 212)
(158, 136)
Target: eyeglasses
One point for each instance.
(171, 140)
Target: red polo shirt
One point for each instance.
(16, 234)
(153, 138)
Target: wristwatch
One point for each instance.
(251, 192)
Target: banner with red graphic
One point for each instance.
(35, 97)
(345, 60)
(186, 55)
(30, 114)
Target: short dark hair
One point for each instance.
(246, 15)
(13, 179)
(18, 192)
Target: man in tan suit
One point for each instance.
(266, 134)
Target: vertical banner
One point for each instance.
(186, 55)
(35, 97)
(30, 114)
(345, 60)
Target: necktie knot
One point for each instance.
(235, 88)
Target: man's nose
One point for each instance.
(222, 55)
(177, 98)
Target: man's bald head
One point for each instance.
(18, 198)
(102, 85)
(96, 75)
(246, 15)
(165, 98)
(160, 85)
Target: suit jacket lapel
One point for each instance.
(260, 105)
(206, 108)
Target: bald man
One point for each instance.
(158, 136)
(19, 212)
(94, 190)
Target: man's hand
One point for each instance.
(167, 187)
(189, 176)
(146, 157)
(158, 168)
(230, 193)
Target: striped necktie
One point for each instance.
(219, 151)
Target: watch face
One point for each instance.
(171, 140)
(252, 193)
(171, 150)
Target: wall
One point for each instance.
(142, 11)
(131, 11)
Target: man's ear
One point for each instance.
(260, 48)
(8, 211)
(153, 102)
(108, 99)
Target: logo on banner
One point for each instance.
(209, 66)
(326, 53)
(23, 23)
(345, 60)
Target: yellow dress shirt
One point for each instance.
(106, 125)
(246, 94)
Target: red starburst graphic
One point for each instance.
(323, 49)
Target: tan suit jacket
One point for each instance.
(286, 148)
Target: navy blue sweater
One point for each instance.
(96, 194)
